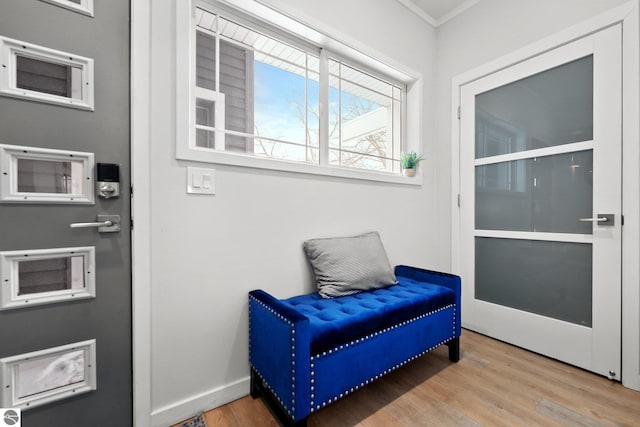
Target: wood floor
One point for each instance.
(493, 384)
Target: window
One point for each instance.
(84, 7)
(37, 175)
(257, 95)
(45, 75)
(33, 379)
(45, 276)
(263, 97)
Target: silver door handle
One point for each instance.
(104, 224)
(91, 224)
(601, 219)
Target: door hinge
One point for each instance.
(131, 223)
(131, 188)
(458, 112)
(621, 219)
(458, 199)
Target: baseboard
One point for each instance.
(187, 408)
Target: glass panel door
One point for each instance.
(540, 155)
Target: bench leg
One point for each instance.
(255, 384)
(454, 349)
(258, 390)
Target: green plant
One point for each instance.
(410, 160)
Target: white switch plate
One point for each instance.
(201, 181)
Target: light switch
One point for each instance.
(201, 181)
(195, 180)
(206, 181)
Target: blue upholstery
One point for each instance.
(308, 351)
(339, 320)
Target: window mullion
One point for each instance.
(324, 107)
(340, 135)
(220, 108)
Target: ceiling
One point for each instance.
(437, 12)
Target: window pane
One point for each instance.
(525, 275)
(48, 77)
(205, 138)
(363, 120)
(283, 150)
(49, 176)
(53, 274)
(334, 112)
(313, 109)
(205, 61)
(551, 108)
(48, 373)
(238, 143)
(280, 103)
(545, 194)
(205, 112)
(236, 69)
(359, 161)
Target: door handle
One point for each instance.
(105, 224)
(91, 224)
(601, 219)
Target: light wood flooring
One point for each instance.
(493, 384)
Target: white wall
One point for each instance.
(208, 252)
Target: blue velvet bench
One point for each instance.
(306, 352)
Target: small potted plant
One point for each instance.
(410, 162)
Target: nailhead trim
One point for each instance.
(291, 410)
(389, 329)
(386, 371)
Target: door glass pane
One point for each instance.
(49, 373)
(48, 77)
(49, 176)
(526, 275)
(544, 194)
(51, 274)
(551, 108)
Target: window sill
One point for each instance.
(241, 160)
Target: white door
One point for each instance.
(540, 216)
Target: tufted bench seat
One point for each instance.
(306, 351)
(340, 320)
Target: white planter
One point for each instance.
(409, 172)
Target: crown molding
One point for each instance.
(409, 4)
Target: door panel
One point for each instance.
(104, 132)
(540, 164)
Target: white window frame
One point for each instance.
(186, 88)
(85, 7)
(9, 377)
(11, 48)
(9, 277)
(9, 155)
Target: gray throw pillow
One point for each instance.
(348, 265)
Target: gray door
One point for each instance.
(78, 103)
